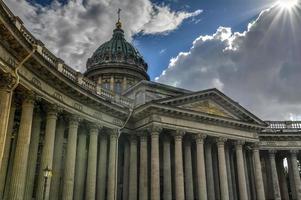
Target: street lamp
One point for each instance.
(47, 174)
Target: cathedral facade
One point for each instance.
(111, 133)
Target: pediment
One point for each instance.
(208, 107)
(212, 102)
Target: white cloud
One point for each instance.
(73, 31)
(260, 68)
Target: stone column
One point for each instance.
(112, 83)
(282, 179)
(201, 173)
(70, 159)
(258, 174)
(275, 182)
(143, 189)
(291, 177)
(8, 141)
(18, 179)
(209, 171)
(188, 170)
(243, 193)
(222, 169)
(111, 185)
(92, 163)
(80, 165)
(155, 167)
(228, 164)
(296, 173)
(33, 154)
(124, 84)
(7, 82)
(102, 166)
(167, 187)
(179, 174)
(125, 188)
(133, 189)
(57, 160)
(47, 153)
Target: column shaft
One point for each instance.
(209, 172)
(179, 174)
(143, 194)
(228, 164)
(133, 179)
(222, 169)
(282, 179)
(167, 187)
(258, 175)
(296, 174)
(102, 167)
(47, 153)
(18, 179)
(243, 193)
(33, 155)
(291, 177)
(111, 187)
(80, 165)
(92, 164)
(188, 170)
(8, 141)
(57, 161)
(275, 182)
(70, 160)
(201, 173)
(125, 191)
(155, 169)
(6, 83)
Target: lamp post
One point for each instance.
(47, 174)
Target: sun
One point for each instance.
(287, 4)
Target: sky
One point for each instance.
(248, 49)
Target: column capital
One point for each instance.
(73, 120)
(53, 110)
(113, 133)
(272, 152)
(199, 138)
(294, 151)
(94, 127)
(220, 141)
(239, 143)
(28, 97)
(178, 134)
(142, 135)
(154, 129)
(7, 81)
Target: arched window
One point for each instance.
(117, 87)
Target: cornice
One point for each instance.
(193, 115)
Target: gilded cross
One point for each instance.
(119, 10)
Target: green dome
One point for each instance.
(118, 51)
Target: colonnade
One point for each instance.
(89, 161)
(40, 136)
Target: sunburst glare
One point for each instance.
(287, 4)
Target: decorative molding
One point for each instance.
(78, 106)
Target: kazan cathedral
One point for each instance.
(110, 133)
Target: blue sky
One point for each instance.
(248, 49)
(231, 13)
(158, 49)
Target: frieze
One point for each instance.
(97, 115)
(280, 143)
(58, 96)
(36, 82)
(77, 106)
(117, 122)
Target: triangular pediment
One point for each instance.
(208, 107)
(214, 103)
